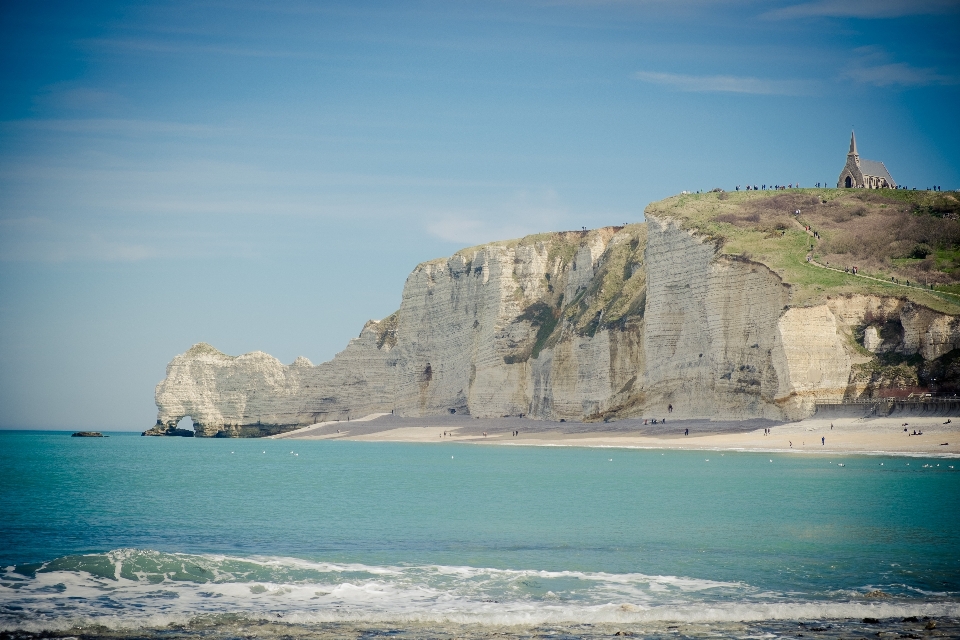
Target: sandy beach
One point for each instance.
(814, 435)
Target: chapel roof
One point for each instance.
(876, 169)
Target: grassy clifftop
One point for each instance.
(892, 237)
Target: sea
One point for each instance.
(129, 536)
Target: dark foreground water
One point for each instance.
(232, 538)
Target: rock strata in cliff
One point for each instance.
(599, 325)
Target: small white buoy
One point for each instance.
(451, 457)
(771, 461)
(611, 459)
(264, 451)
(707, 460)
(881, 464)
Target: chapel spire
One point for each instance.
(863, 174)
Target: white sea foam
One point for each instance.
(150, 594)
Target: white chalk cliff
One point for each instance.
(611, 323)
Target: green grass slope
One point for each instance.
(893, 238)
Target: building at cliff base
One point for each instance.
(863, 174)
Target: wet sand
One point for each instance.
(839, 434)
(231, 627)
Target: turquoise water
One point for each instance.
(129, 531)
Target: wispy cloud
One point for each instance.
(469, 230)
(63, 96)
(725, 84)
(117, 125)
(864, 9)
(149, 45)
(872, 65)
(40, 239)
(898, 74)
(523, 213)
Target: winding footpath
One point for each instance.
(810, 260)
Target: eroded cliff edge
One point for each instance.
(615, 322)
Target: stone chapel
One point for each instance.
(863, 174)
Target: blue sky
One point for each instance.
(265, 175)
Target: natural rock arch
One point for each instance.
(173, 428)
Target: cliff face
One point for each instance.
(256, 395)
(611, 323)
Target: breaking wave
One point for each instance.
(129, 588)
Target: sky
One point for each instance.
(264, 176)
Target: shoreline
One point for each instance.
(841, 435)
(229, 626)
(833, 452)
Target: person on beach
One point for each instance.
(686, 432)
(823, 441)
(791, 443)
(669, 408)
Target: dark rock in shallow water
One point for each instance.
(160, 430)
(258, 430)
(88, 434)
